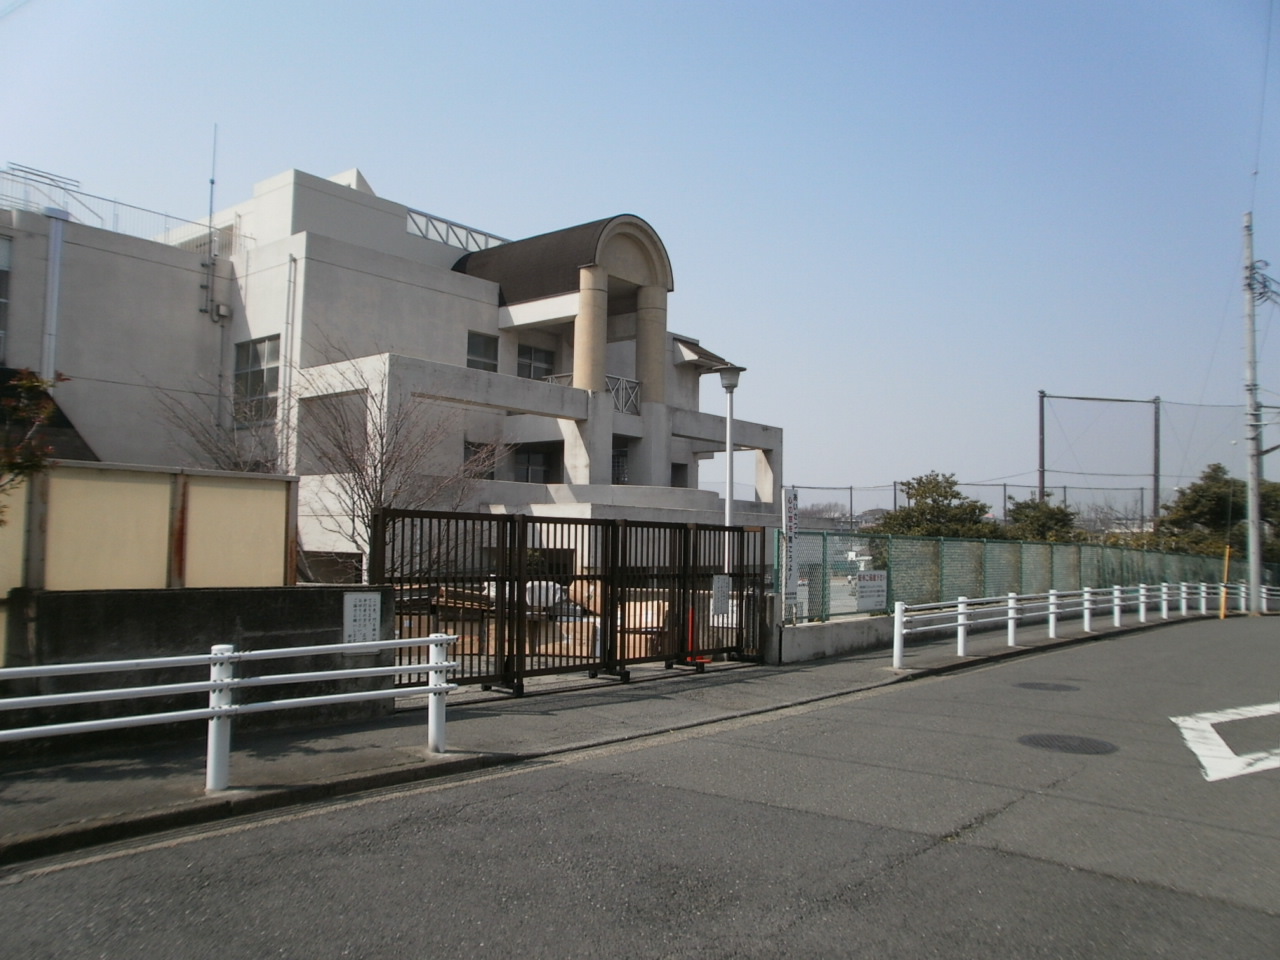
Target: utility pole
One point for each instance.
(1155, 470)
(1256, 287)
(1040, 492)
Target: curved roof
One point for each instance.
(547, 265)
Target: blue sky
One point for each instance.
(904, 218)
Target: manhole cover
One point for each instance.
(1035, 685)
(1066, 743)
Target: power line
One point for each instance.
(1262, 106)
(14, 5)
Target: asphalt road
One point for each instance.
(1045, 806)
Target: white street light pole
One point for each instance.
(729, 375)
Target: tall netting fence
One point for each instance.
(1115, 463)
(847, 573)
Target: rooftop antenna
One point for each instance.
(211, 254)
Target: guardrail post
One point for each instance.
(1244, 597)
(1117, 606)
(1053, 614)
(1204, 599)
(1142, 603)
(1183, 590)
(899, 631)
(962, 626)
(1164, 600)
(217, 768)
(1012, 617)
(1086, 615)
(437, 677)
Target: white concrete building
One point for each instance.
(321, 295)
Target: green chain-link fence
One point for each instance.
(935, 569)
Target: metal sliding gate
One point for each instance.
(529, 596)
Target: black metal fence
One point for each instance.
(530, 596)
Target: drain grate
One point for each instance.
(1038, 685)
(1066, 743)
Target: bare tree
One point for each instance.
(211, 438)
(373, 447)
(366, 446)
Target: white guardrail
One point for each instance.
(964, 612)
(221, 686)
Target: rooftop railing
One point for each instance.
(454, 234)
(625, 393)
(25, 188)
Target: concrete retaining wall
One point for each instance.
(90, 625)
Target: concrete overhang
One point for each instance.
(538, 313)
(429, 380)
(709, 428)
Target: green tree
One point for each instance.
(937, 508)
(1213, 512)
(1036, 519)
(25, 407)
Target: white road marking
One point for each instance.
(1219, 761)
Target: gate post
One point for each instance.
(378, 547)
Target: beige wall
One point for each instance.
(109, 527)
(119, 528)
(14, 505)
(107, 530)
(236, 532)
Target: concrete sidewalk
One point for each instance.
(67, 805)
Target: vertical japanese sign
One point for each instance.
(790, 578)
(361, 617)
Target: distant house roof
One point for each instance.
(546, 265)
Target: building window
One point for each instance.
(621, 475)
(482, 352)
(537, 463)
(533, 363)
(257, 380)
(6, 264)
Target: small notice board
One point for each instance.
(872, 589)
(361, 617)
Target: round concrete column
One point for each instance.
(590, 328)
(651, 343)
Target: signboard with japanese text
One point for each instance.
(872, 590)
(721, 595)
(790, 574)
(361, 617)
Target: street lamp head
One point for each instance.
(729, 376)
